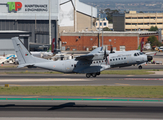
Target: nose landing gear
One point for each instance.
(140, 67)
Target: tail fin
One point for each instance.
(141, 45)
(23, 55)
(53, 45)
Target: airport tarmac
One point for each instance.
(146, 67)
(80, 80)
(79, 110)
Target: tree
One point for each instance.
(153, 28)
(106, 29)
(109, 14)
(153, 41)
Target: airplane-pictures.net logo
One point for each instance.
(14, 6)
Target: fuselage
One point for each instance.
(120, 59)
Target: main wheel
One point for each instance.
(88, 75)
(93, 74)
(98, 73)
(140, 67)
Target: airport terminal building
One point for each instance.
(33, 16)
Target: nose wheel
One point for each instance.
(140, 67)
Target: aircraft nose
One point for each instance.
(149, 58)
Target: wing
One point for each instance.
(85, 57)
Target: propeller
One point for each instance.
(111, 49)
(106, 56)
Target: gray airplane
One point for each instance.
(91, 64)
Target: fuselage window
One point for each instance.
(113, 59)
(75, 65)
(72, 65)
(116, 59)
(119, 58)
(97, 62)
(124, 57)
(141, 53)
(110, 59)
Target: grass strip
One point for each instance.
(91, 91)
(116, 72)
(128, 72)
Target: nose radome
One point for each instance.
(149, 58)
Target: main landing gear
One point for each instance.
(88, 75)
(140, 67)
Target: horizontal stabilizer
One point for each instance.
(25, 65)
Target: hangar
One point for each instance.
(45, 19)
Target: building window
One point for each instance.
(96, 24)
(140, 23)
(159, 23)
(104, 23)
(122, 48)
(134, 23)
(128, 23)
(140, 17)
(128, 29)
(159, 17)
(128, 17)
(146, 17)
(100, 23)
(134, 17)
(153, 17)
(153, 23)
(146, 23)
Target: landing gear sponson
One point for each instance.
(88, 75)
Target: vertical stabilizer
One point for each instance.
(22, 53)
(141, 45)
(53, 45)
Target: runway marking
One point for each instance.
(161, 79)
(122, 84)
(130, 75)
(43, 80)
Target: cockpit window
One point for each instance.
(141, 53)
(138, 54)
(135, 54)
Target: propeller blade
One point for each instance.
(105, 56)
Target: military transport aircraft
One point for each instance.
(91, 64)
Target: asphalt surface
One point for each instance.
(80, 80)
(147, 67)
(78, 109)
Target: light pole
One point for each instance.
(102, 12)
(99, 32)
